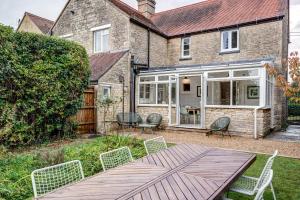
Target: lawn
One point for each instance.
(15, 168)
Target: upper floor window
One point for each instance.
(185, 47)
(101, 38)
(229, 40)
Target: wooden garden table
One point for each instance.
(185, 171)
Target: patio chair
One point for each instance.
(153, 121)
(50, 178)
(129, 119)
(184, 115)
(260, 193)
(115, 158)
(220, 125)
(155, 145)
(250, 185)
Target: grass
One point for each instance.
(15, 168)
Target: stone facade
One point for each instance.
(79, 17)
(111, 78)
(28, 26)
(263, 40)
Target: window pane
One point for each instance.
(147, 79)
(218, 93)
(163, 78)
(234, 39)
(105, 42)
(163, 94)
(245, 73)
(218, 74)
(147, 94)
(225, 44)
(246, 92)
(173, 93)
(186, 46)
(97, 41)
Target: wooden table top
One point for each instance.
(190, 172)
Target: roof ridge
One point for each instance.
(189, 5)
(30, 14)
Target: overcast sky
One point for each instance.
(12, 10)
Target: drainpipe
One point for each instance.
(132, 85)
(148, 51)
(255, 121)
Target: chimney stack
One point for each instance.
(146, 7)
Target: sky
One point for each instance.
(12, 10)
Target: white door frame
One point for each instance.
(176, 77)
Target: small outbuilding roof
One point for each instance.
(102, 62)
(42, 23)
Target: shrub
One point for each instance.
(42, 80)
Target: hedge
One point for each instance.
(42, 80)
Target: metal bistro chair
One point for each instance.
(129, 119)
(220, 125)
(115, 158)
(250, 185)
(153, 121)
(155, 145)
(260, 193)
(50, 178)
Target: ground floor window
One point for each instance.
(235, 88)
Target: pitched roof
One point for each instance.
(42, 23)
(214, 14)
(102, 62)
(135, 15)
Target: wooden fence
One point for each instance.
(86, 117)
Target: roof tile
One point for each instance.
(42, 23)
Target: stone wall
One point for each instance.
(90, 14)
(28, 26)
(139, 46)
(111, 78)
(242, 120)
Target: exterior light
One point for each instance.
(186, 80)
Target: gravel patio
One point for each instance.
(262, 146)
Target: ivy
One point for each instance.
(42, 80)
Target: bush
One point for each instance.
(42, 80)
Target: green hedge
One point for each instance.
(42, 80)
(294, 110)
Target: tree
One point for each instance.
(291, 88)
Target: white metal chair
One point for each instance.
(115, 158)
(50, 178)
(250, 185)
(155, 145)
(260, 193)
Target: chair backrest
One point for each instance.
(183, 110)
(264, 174)
(129, 118)
(115, 158)
(155, 145)
(154, 119)
(50, 178)
(260, 193)
(221, 123)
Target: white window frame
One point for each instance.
(66, 36)
(182, 47)
(108, 87)
(230, 40)
(156, 82)
(261, 78)
(100, 29)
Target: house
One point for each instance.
(192, 64)
(34, 24)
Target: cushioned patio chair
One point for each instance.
(153, 121)
(129, 119)
(115, 158)
(250, 185)
(184, 115)
(155, 145)
(50, 178)
(220, 125)
(260, 193)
